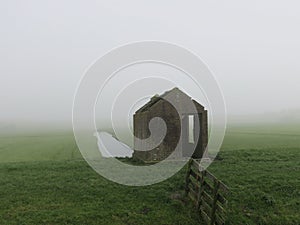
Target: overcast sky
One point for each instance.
(252, 47)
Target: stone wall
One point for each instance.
(165, 110)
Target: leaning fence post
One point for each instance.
(201, 189)
(215, 199)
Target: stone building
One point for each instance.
(174, 107)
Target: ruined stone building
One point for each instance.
(194, 126)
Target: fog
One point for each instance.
(252, 47)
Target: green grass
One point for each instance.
(49, 146)
(260, 136)
(43, 180)
(265, 185)
(70, 192)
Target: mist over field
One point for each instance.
(279, 119)
(44, 54)
(252, 48)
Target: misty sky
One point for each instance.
(252, 47)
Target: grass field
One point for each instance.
(32, 147)
(45, 181)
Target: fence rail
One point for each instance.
(207, 193)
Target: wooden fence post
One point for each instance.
(215, 200)
(206, 191)
(201, 190)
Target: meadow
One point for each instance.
(44, 180)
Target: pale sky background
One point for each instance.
(252, 47)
